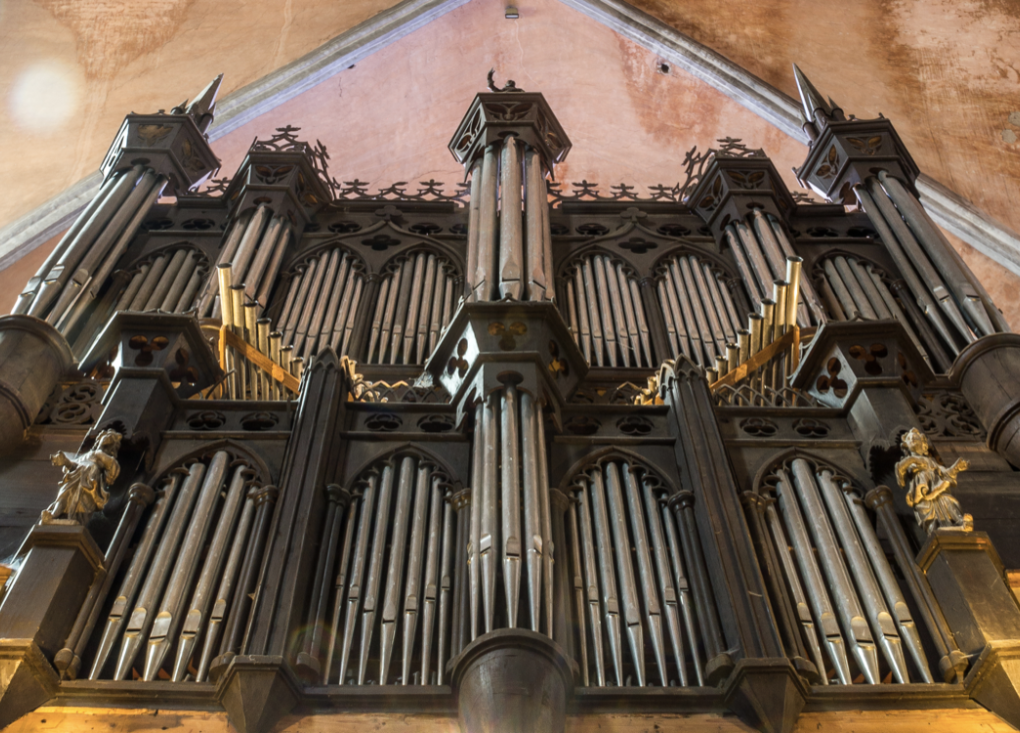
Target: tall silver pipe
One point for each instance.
(532, 546)
(149, 190)
(855, 625)
(105, 224)
(354, 590)
(720, 293)
(141, 617)
(928, 272)
(704, 353)
(846, 301)
(591, 584)
(629, 307)
(430, 596)
(592, 299)
(474, 543)
(639, 530)
(854, 287)
(892, 245)
(582, 313)
(868, 286)
(436, 319)
(413, 598)
(752, 252)
(799, 598)
(713, 307)
(511, 499)
(445, 585)
(312, 301)
(965, 287)
(870, 595)
(642, 323)
(246, 249)
(233, 239)
(347, 310)
(890, 586)
(817, 594)
(166, 280)
(572, 322)
(547, 251)
(165, 624)
(398, 282)
(607, 571)
(808, 294)
(424, 313)
(407, 489)
(180, 282)
(221, 601)
(534, 256)
(185, 302)
(340, 283)
(548, 546)
(266, 249)
(371, 597)
(290, 327)
(28, 294)
(125, 597)
(474, 214)
(579, 593)
(687, 608)
(411, 322)
(606, 310)
(194, 620)
(488, 543)
(288, 312)
(279, 250)
(133, 287)
(628, 350)
(156, 270)
(321, 303)
(715, 346)
(486, 280)
(511, 266)
(340, 583)
(754, 290)
(667, 301)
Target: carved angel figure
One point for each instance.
(86, 478)
(928, 491)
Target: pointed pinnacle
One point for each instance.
(811, 100)
(205, 103)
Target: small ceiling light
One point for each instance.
(511, 12)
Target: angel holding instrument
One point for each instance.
(928, 493)
(86, 477)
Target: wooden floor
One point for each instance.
(87, 720)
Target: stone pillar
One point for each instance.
(512, 680)
(60, 562)
(33, 358)
(968, 580)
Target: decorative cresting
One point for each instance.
(702, 319)
(602, 302)
(855, 288)
(418, 293)
(166, 280)
(149, 152)
(509, 141)
(632, 561)
(321, 305)
(840, 602)
(384, 572)
(865, 162)
(184, 599)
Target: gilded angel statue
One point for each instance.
(929, 485)
(86, 478)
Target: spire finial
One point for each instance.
(811, 100)
(205, 103)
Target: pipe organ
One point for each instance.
(516, 447)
